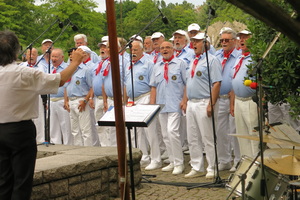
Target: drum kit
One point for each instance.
(279, 165)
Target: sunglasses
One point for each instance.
(225, 40)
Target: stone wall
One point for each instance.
(83, 173)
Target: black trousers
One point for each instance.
(17, 159)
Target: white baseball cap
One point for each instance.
(245, 32)
(102, 43)
(85, 49)
(201, 36)
(104, 39)
(193, 27)
(47, 40)
(172, 38)
(139, 38)
(157, 35)
(181, 32)
(225, 29)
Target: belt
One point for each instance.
(197, 100)
(224, 96)
(141, 96)
(55, 99)
(74, 98)
(243, 98)
(111, 98)
(99, 97)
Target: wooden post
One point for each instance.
(119, 116)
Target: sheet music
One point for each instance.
(137, 114)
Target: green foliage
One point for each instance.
(281, 66)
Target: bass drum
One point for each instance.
(277, 184)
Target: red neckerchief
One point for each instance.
(106, 70)
(178, 52)
(166, 67)
(100, 66)
(87, 60)
(30, 65)
(238, 66)
(133, 62)
(195, 62)
(226, 56)
(155, 57)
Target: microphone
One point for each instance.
(164, 18)
(73, 26)
(60, 24)
(211, 11)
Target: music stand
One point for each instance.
(135, 116)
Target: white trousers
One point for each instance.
(246, 119)
(170, 123)
(148, 137)
(101, 130)
(40, 123)
(226, 125)
(110, 131)
(60, 125)
(199, 132)
(83, 125)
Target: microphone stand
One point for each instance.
(218, 181)
(46, 98)
(31, 44)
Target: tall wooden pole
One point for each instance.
(119, 117)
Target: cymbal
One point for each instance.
(268, 139)
(284, 161)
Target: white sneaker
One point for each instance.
(167, 161)
(210, 175)
(164, 156)
(168, 168)
(178, 169)
(187, 152)
(224, 166)
(144, 163)
(232, 169)
(193, 173)
(153, 166)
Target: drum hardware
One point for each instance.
(276, 184)
(242, 180)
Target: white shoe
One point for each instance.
(168, 168)
(178, 169)
(193, 173)
(164, 156)
(185, 148)
(232, 169)
(153, 166)
(224, 166)
(210, 174)
(144, 163)
(167, 161)
(187, 152)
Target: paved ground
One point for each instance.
(166, 186)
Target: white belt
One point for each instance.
(197, 100)
(141, 96)
(243, 98)
(74, 98)
(55, 99)
(224, 96)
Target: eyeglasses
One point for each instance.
(225, 40)
(167, 47)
